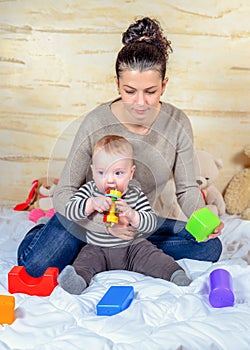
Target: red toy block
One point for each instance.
(21, 282)
(7, 307)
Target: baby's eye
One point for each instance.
(100, 173)
(118, 172)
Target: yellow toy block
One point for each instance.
(7, 307)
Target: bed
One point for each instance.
(161, 315)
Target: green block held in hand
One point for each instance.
(202, 223)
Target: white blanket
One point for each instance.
(161, 316)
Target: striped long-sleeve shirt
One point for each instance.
(135, 198)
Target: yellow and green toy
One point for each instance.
(110, 217)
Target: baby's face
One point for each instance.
(112, 171)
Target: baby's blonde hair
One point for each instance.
(114, 144)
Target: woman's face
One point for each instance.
(141, 92)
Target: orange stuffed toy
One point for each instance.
(39, 201)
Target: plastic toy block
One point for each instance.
(21, 282)
(115, 300)
(221, 290)
(202, 223)
(110, 216)
(7, 307)
(114, 194)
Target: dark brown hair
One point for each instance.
(144, 48)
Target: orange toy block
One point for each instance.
(7, 307)
(21, 282)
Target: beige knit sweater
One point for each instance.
(168, 146)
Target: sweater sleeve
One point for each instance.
(187, 191)
(77, 171)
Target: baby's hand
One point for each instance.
(124, 209)
(127, 212)
(100, 204)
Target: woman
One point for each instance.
(161, 136)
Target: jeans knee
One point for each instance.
(216, 249)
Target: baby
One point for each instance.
(113, 168)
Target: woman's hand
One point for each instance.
(123, 230)
(217, 231)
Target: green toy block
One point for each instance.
(202, 223)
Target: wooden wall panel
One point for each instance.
(57, 63)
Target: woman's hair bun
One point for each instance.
(147, 30)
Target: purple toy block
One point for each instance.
(221, 293)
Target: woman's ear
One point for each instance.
(117, 81)
(117, 84)
(164, 85)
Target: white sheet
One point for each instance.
(161, 316)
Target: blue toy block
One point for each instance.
(115, 300)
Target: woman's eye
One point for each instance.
(151, 92)
(129, 92)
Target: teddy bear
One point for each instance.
(39, 201)
(206, 171)
(237, 193)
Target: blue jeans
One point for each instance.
(58, 243)
(172, 237)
